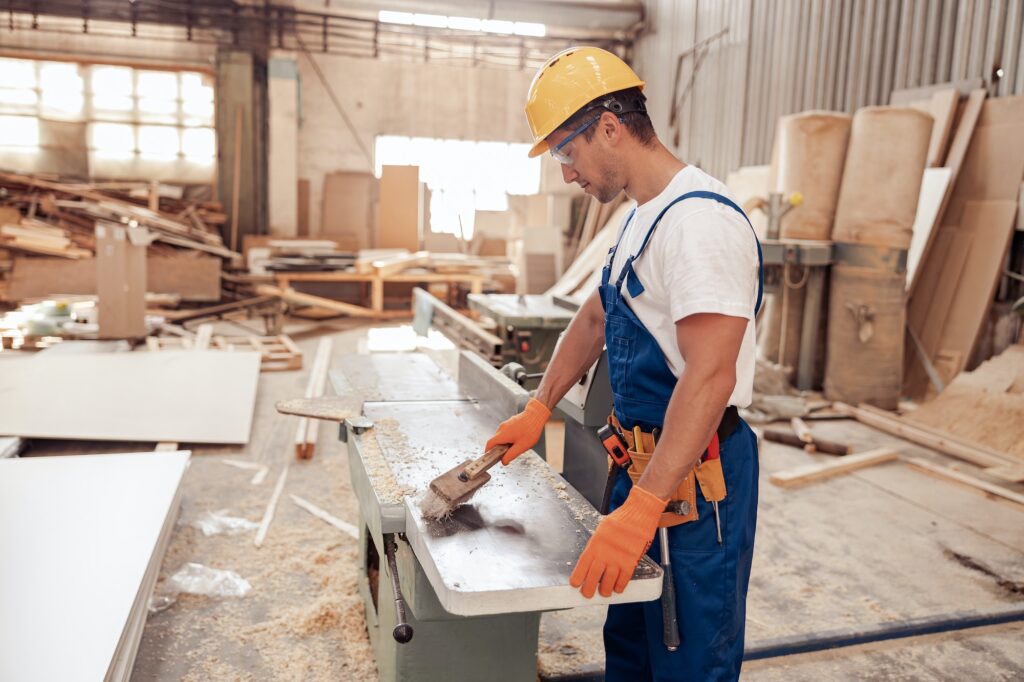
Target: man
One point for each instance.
(676, 307)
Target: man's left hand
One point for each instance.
(618, 544)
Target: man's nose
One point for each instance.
(568, 174)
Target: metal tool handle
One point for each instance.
(669, 619)
(403, 631)
(606, 501)
(478, 466)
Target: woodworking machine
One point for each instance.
(525, 327)
(459, 599)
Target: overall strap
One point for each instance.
(606, 273)
(633, 284)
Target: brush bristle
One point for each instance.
(434, 507)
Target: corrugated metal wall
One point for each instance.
(783, 56)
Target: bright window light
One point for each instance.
(519, 28)
(430, 20)
(463, 176)
(497, 26)
(159, 142)
(112, 139)
(395, 17)
(111, 103)
(19, 131)
(199, 143)
(151, 105)
(464, 23)
(17, 73)
(61, 87)
(111, 81)
(20, 98)
(526, 28)
(157, 84)
(195, 89)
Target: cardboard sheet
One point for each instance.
(181, 396)
(82, 539)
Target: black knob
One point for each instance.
(402, 633)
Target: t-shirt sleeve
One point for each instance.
(708, 262)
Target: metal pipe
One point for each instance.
(854, 636)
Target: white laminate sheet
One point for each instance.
(180, 396)
(80, 537)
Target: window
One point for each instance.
(463, 176)
(132, 116)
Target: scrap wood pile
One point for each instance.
(51, 218)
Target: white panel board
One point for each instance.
(182, 396)
(81, 541)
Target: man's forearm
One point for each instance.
(693, 413)
(578, 351)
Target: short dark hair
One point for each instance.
(629, 105)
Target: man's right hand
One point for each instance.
(522, 431)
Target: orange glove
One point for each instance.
(618, 544)
(522, 431)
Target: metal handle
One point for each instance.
(669, 619)
(478, 466)
(403, 631)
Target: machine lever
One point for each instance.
(403, 631)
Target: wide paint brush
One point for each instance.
(457, 486)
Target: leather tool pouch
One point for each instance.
(711, 480)
(684, 500)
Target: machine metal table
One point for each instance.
(476, 583)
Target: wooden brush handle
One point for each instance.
(489, 459)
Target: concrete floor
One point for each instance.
(880, 544)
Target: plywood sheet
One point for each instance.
(194, 278)
(182, 396)
(400, 210)
(347, 209)
(82, 541)
(991, 225)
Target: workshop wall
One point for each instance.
(785, 56)
(398, 98)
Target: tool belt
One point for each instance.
(707, 473)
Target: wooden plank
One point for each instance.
(268, 513)
(954, 159)
(945, 472)
(392, 265)
(292, 296)
(904, 96)
(182, 396)
(942, 442)
(307, 430)
(794, 478)
(942, 107)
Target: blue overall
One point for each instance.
(711, 579)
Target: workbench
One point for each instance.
(376, 282)
(481, 579)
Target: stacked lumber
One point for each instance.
(49, 217)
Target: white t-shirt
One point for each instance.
(702, 258)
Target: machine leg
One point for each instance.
(810, 329)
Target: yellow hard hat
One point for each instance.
(567, 82)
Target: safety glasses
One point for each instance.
(562, 152)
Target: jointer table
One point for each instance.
(475, 584)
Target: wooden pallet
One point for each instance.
(278, 353)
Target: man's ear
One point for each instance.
(610, 128)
